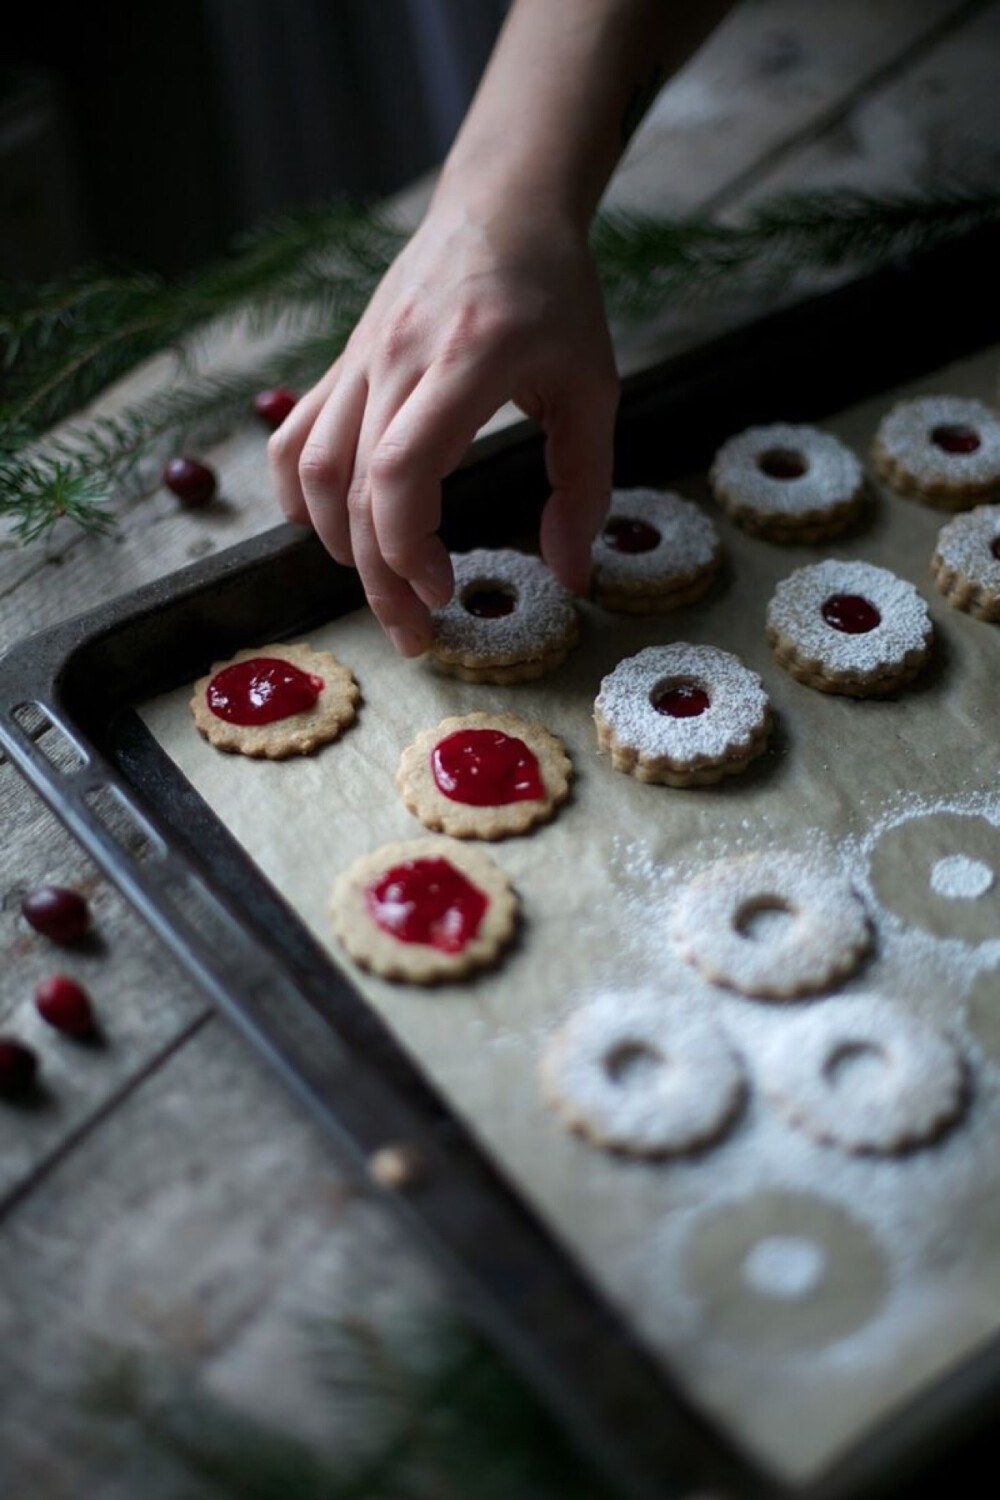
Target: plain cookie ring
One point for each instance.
(509, 619)
(849, 627)
(943, 450)
(864, 1075)
(788, 482)
(771, 926)
(966, 562)
(631, 1075)
(656, 552)
(682, 715)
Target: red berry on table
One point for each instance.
(65, 1005)
(273, 406)
(18, 1068)
(57, 913)
(193, 482)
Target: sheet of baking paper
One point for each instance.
(799, 1294)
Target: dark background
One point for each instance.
(149, 134)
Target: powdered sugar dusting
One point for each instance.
(795, 611)
(784, 1266)
(633, 1073)
(966, 545)
(832, 477)
(906, 435)
(961, 879)
(688, 542)
(822, 936)
(738, 704)
(544, 616)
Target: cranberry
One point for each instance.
(18, 1068)
(273, 406)
(193, 483)
(56, 913)
(65, 1005)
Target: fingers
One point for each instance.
(579, 458)
(426, 440)
(285, 446)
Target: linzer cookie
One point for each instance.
(966, 562)
(682, 715)
(861, 1074)
(656, 552)
(849, 627)
(279, 701)
(424, 911)
(509, 620)
(788, 483)
(484, 776)
(771, 926)
(943, 450)
(631, 1074)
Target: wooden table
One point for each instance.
(166, 1194)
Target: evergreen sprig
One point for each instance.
(309, 277)
(442, 1416)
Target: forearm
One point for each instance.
(566, 85)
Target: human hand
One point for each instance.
(479, 308)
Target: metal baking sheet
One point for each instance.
(241, 940)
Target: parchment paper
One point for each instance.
(875, 1275)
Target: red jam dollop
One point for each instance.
(427, 901)
(685, 700)
(850, 613)
(489, 603)
(262, 690)
(782, 463)
(955, 437)
(486, 768)
(625, 534)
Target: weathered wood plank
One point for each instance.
(202, 1223)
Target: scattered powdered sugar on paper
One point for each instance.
(833, 473)
(784, 1266)
(544, 616)
(688, 542)
(796, 606)
(960, 878)
(737, 708)
(906, 434)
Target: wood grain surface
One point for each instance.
(166, 1193)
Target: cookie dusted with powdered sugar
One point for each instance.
(656, 552)
(631, 1074)
(484, 776)
(788, 483)
(682, 715)
(865, 1075)
(424, 911)
(943, 450)
(966, 562)
(275, 702)
(509, 619)
(849, 627)
(771, 925)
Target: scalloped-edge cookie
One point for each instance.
(424, 911)
(966, 562)
(273, 702)
(509, 620)
(484, 776)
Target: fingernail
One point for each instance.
(407, 642)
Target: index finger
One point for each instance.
(424, 442)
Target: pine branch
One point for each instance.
(311, 276)
(446, 1419)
